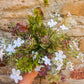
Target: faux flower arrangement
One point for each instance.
(40, 46)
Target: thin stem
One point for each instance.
(40, 80)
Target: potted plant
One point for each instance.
(39, 48)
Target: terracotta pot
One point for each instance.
(28, 78)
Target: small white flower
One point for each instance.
(10, 49)
(58, 15)
(1, 54)
(78, 57)
(71, 47)
(16, 75)
(2, 45)
(58, 60)
(59, 65)
(76, 45)
(63, 27)
(52, 23)
(46, 60)
(38, 68)
(33, 52)
(60, 56)
(18, 42)
(35, 55)
(81, 57)
(70, 66)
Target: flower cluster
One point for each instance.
(59, 59)
(70, 66)
(46, 60)
(52, 23)
(16, 75)
(17, 43)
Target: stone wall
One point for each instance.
(19, 9)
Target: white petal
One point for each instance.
(60, 52)
(13, 70)
(20, 77)
(16, 80)
(56, 54)
(64, 56)
(36, 53)
(12, 76)
(18, 72)
(32, 52)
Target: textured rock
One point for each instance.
(75, 8)
(78, 31)
(16, 9)
(81, 45)
(19, 9)
(5, 79)
(79, 20)
(71, 81)
(77, 74)
(17, 4)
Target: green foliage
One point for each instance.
(54, 78)
(57, 41)
(27, 64)
(36, 26)
(41, 38)
(46, 2)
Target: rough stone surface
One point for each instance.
(16, 9)
(75, 8)
(81, 46)
(78, 31)
(5, 79)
